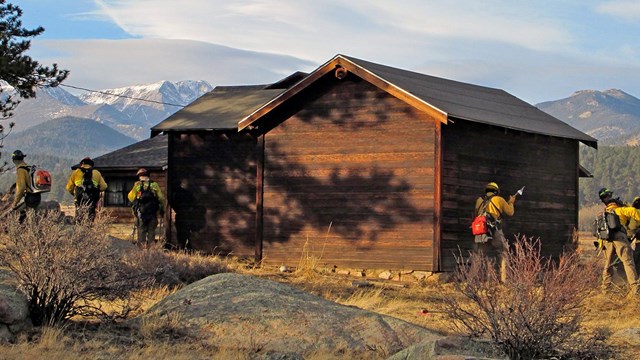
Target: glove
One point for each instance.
(512, 199)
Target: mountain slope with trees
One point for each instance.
(58, 144)
(613, 167)
(68, 137)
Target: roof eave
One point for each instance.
(589, 142)
(130, 168)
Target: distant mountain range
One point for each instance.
(611, 116)
(59, 123)
(68, 137)
(57, 128)
(121, 109)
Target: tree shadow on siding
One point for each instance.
(359, 203)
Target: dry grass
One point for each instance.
(311, 258)
(177, 268)
(165, 338)
(416, 302)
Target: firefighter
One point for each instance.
(619, 243)
(86, 184)
(147, 203)
(496, 206)
(24, 190)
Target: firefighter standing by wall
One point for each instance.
(495, 244)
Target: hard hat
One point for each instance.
(492, 187)
(86, 161)
(604, 193)
(142, 172)
(636, 202)
(18, 155)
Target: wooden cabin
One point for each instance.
(362, 165)
(118, 168)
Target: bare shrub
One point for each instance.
(536, 313)
(67, 270)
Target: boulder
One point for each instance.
(13, 304)
(450, 348)
(267, 317)
(14, 309)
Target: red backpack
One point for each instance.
(40, 179)
(480, 224)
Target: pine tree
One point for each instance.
(17, 69)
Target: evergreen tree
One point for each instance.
(17, 69)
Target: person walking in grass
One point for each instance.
(25, 198)
(86, 184)
(147, 203)
(619, 243)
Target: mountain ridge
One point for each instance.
(69, 137)
(612, 116)
(132, 110)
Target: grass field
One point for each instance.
(413, 301)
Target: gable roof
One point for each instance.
(219, 109)
(151, 154)
(442, 98)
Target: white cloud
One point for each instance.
(531, 75)
(315, 30)
(530, 49)
(100, 64)
(624, 9)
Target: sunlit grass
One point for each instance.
(166, 337)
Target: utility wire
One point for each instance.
(116, 95)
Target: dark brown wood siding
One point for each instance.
(349, 179)
(213, 191)
(475, 154)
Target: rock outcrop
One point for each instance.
(14, 309)
(263, 316)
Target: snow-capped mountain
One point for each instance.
(163, 98)
(63, 96)
(179, 93)
(131, 110)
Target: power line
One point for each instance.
(116, 95)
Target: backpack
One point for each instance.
(606, 225)
(146, 205)
(88, 193)
(484, 221)
(39, 179)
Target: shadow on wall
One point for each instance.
(360, 199)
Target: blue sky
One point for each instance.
(537, 50)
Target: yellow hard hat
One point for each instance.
(492, 187)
